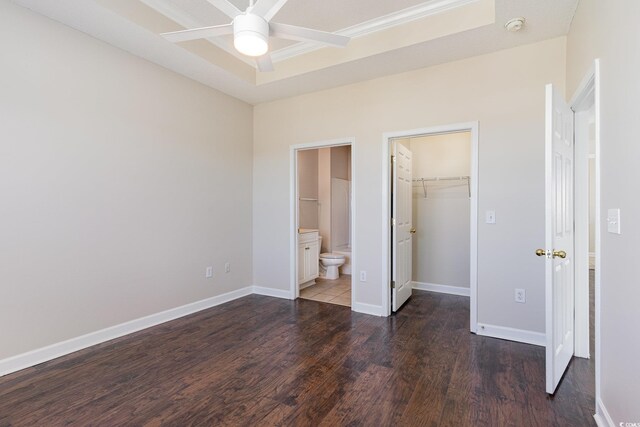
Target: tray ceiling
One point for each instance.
(387, 37)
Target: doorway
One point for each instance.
(322, 222)
(444, 189)
(585, 105)
(579, 310)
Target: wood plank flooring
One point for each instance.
(267, 361)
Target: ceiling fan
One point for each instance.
(251, 30)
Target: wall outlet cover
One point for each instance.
(490, 217)
(520, 296)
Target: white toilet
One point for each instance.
(329, 263)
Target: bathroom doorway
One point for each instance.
(322, 222)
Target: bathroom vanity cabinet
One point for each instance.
(308, 258)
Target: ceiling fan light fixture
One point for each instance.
(250, 35)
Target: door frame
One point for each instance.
(294, 290)
(387, 139)
(587, 93)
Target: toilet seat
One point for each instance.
(331, 255)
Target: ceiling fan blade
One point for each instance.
(198, 33)
(268, 8)
(264, 63)
(291, 32)
(225, 7)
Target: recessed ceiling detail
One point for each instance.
(387, 37)
(252, 29)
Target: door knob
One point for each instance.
(413, 230)
(541, 252)
(559, 254)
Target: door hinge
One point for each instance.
(393, 222)
(393, 159)
(393, 284)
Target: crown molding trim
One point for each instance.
(385, 22)
(374, 25)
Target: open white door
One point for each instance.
(401, 226)
(559, 280)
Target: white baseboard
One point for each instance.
(512, 334)
(375, 310)
(270, 292)
(602, 417)
(443, 289)
(44, 354)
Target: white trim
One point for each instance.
(374, 310)
(590, 85)
(472, 127)
(442, 289)
(512, 334)
(271, 292)
(598, 240)
(44, 354)
(602, 417)
(391, 20)
(293, 209)
(580, 100)
(582, 257)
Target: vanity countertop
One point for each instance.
(307, 230)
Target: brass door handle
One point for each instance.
(559, 254)
(413, 230)
(541, 252)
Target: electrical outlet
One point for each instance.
(209, 273)
(520, 296)
(227, 267)
(363, 276)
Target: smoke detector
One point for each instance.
(515, 24)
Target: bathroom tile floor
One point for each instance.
(332, 291)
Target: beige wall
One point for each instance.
(324, 197)
(504, 91)
(341, 162)
(441, 244)
(308, 188)
(609, 31)
(120, 182)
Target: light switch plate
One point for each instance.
(490, 217)
(613, 221)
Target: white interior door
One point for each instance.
(402, 226)
(559, 253)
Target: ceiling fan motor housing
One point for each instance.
(251, 34)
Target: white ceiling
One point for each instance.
(392, 36)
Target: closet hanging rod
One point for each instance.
(306, 199)
(442, 178)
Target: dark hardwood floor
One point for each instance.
(267, 361)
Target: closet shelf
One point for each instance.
(426, 180)
(442, 178)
